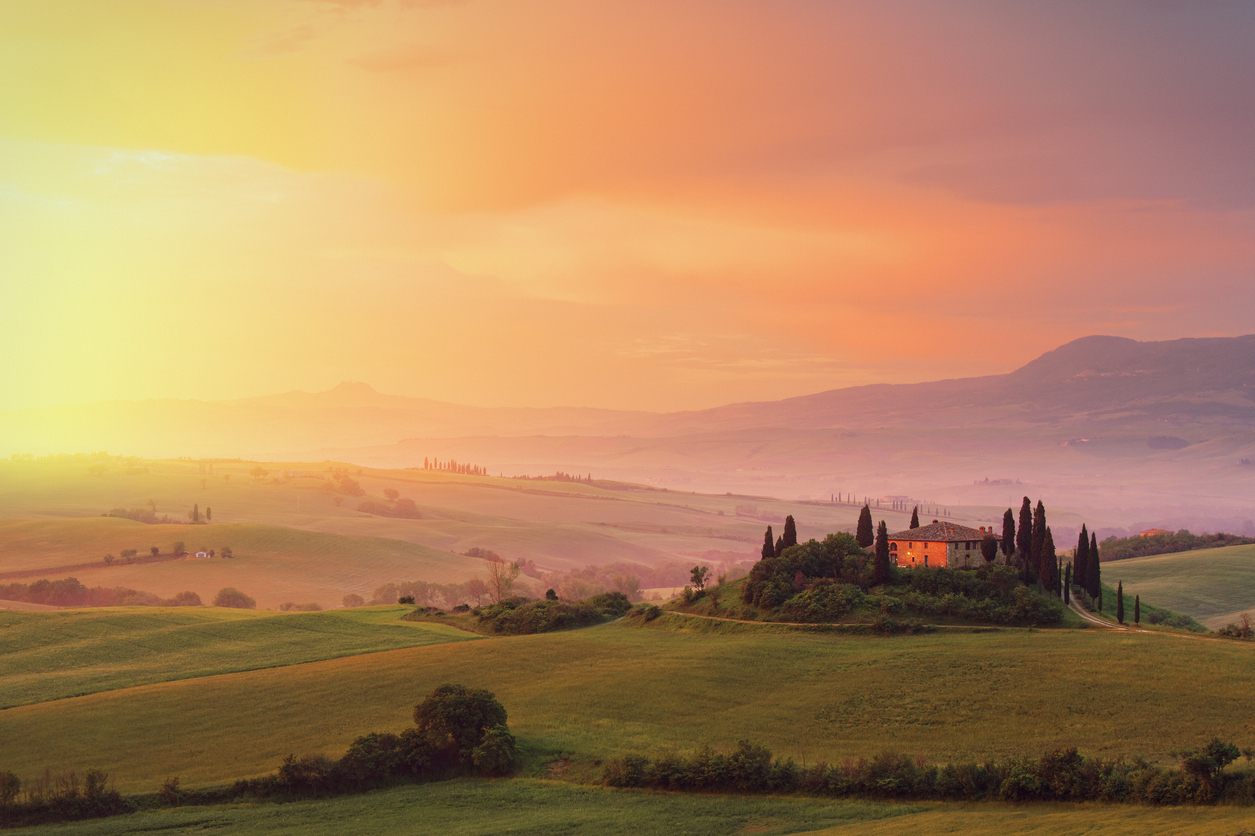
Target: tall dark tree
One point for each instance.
(1039, 537)
(1120, 602)
(769, 544)
(989, 548)
(1067, 584)
(1049, 562)
(209, 514)
(880, 573)
(865, 534)
(1137, 609)
(915, 517)
(779, 546)
(1024, 535)
(196, 513)
(1093, 572)
(1081, 557)
(790, 532)
(1008, 533)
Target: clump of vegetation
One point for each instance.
(1123, 548)
(232, 597)
(401, 508)
(1242, 629)
(69, 592)
(56, 798)
(1061, 775)
(517, 616)
(292, 607)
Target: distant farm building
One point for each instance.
(202, 554)
(939, 544)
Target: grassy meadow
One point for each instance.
(544, 808)
(48, 656)
(1214, 585)
(590, 694)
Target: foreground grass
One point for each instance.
(542, 808)
(1213, 585)
(52, 655)
(590, 694)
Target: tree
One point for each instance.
(390, 494)
(779, 546)
(769, 544)
(550, 595)
(989, 548)
(258, 471)
(880, 571)
(1039, 537)
(1081, 556)
(154, 551)
(1008, 534)
(209, 514)
(865, 534)
(226, 552)
(477, 589)
(108, 559)
(195, 515)
(1093, 571)
(501, 577)
(1024, 535)
(1137, 609)
(790, 532)
(699, 575)
(1120, 602)
(1067, 584)
(178, 547)
(1049, 563)
(1208, 763)
(914, 517)
(466, 727)
(232, 597)
(352, 600)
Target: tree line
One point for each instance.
(1123, 548)
(454, 466)
(69, 592)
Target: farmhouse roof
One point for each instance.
(939, 532)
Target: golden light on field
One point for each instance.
(646, 205)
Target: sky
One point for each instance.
(636, 204)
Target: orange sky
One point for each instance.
(627, 204)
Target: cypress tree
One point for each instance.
(1008, 533)
(779, 546)
(1137, 609)
(881, 569)
(1049, 563)
(769, 544)
(1120, 602)
(1082, 556)
(790, 532)
(1039, 537)
(915, 517)
(196, 513)
(865, 535)
(1067, 584)
(1093, 572)
(209, 514)
(1024, 535)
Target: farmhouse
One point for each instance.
(939, 544)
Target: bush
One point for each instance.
(184, 599)
(517, 617)
(462, 724)
(352, 600)
(232, 597)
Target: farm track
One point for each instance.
(963, 627)
(1120, 628)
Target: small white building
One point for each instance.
(202, 554)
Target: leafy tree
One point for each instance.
(154, 551)
(232, 597)
(1137, 609)
(880, 571)
(550, 595)
(769, 545)
(989, 548)
(914, 517)
(501, 577)
(1081, 556)
(865, 534)
(390, 494)
(699, 575)
(185, 599)
(109, 559)
(1024, 535)
(178, 547)
(406, 599)
(1208, 763)
(456, 721)
(352, 600)
(1120, 602)
(790, 532)
(258, 471)
(226, 552)
(1008, 533)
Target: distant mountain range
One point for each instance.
(1094, 384)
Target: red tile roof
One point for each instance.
(939, 532)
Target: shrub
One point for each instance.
(185, 599)
(232, 597)
(457, 720)
(352, 600)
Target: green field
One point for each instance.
(541, 808)
(1214, 585)
(53, 655)
(615, 689)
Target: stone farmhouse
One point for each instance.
(939, 544)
